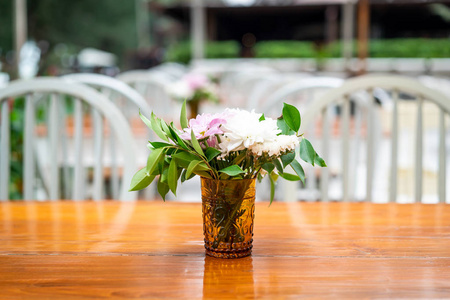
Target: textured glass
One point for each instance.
(228, 208)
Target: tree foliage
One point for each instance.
(103, 24)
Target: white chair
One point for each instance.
(152, 85)
(51, 148)
(122, 95)
(116, 91)
(176, 70)
(382, 160)
(237, 81)
(269, 85)
(299, 93)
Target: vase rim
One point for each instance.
(205, 178)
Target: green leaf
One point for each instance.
(155, 125)
(183, 158)
(163, 189)
(278, 165)
(153, 159)
(183, 116)
(290, 177)
(183, 176)
(145, 120)
(299, 170)
(233, 170)
(260, 177)
(291, 116)
(273, 178)
(141, 180)
(287, 158)
(240, 158)
(166, 130)
(156, 145)
(180, 142)
(203, 174)
(268, 167)
(195, 144)
(192, 165)
(262, 118)
(307, 152)
(272, 189)
(211, 152)
(284, 127)
(164, 172)
(319, 161)
(172, 176)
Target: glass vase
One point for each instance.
(228, 208)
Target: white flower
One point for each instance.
(180, 90)
(243, 130)
(282, 143)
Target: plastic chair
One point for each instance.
(122, 95)
(152, 85)
(385, 159)
(56, 149)
(116, 91)
(299, 93)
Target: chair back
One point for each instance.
(122, 95)
(117, 91)
(152, 85)
(383, 159)
(63, 157)
(299, 93)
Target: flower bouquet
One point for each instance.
(229, 151)
(194, 88)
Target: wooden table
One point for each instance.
(87, 250)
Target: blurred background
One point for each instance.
(107, 36)
(252, 54)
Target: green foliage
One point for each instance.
(6, 26)
(232, 170)
(183, 116)
(284, 126)
(408, 48)
(141, 180)
(284, 49)
(307, 152)
(181, 52)
(102, 24)
(397, 48)
(413, 48)
(182, 159)
(291, 116)
(17, 140)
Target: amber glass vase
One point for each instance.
(228, 208)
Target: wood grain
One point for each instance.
(145, 250)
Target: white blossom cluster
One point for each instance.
(244, 130)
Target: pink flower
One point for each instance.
(196, 81)
(205, 125)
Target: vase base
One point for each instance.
(228, 254)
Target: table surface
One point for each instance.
(88, 250)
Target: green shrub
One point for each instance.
(181, 52)
(413, 48)
(334, 50)
(284, 49)
(408, 48)
(398, 48)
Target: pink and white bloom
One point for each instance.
(196, 81)
(281, 144)
(204, 126)
(244, 130)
